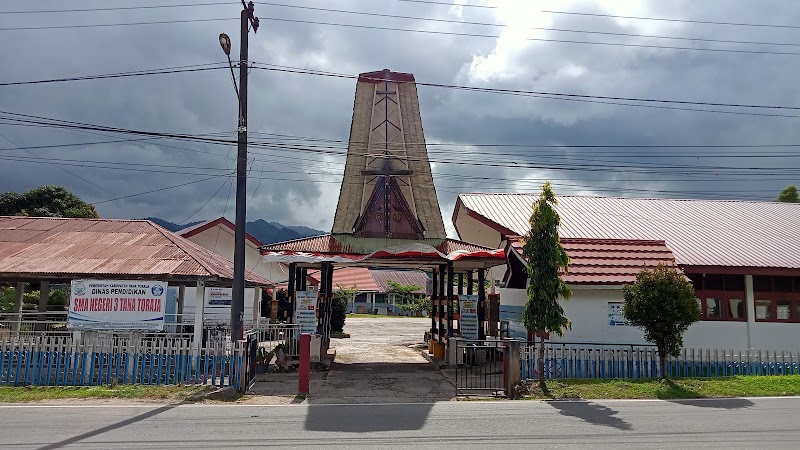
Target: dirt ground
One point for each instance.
(378, 363)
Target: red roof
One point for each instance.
(376, 280)
(203, 226)
(608, 261)
(347, 244)
(49, 248)
(699, 232)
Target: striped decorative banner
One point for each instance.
(563, 360)
(60, 361)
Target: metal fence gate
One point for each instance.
(479, 367)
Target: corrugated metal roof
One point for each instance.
(44, 246)
(610, 261)
(343, 243)
(406, 277)
(699, 232)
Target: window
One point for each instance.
(735, 309)
(763, 309)
(762, 283)
(783, 310)
(712, 282)
(713, 309)
(782, 284)
(734, 283)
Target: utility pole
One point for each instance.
(237, 300)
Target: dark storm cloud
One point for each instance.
(304, 105)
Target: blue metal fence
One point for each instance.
(59, 361)
(608, 361)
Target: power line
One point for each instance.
(614, 16)
(498, 25)
(563, 97)
(169, 70)
(494, 36)
(159, 190)
(409, 30)
(50, 163)
(116, 8)
(184, 221)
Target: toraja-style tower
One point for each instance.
(388, 190)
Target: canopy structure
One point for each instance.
(344, 249)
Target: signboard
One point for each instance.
(468, 321)
(615, 317)
(305, 313)
(117, 305)
(219, 296)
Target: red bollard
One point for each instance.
(305, 363)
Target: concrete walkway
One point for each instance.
(379, 363)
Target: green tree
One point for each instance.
(341, 296)
(661, 302)
(45, 201)
(409, 300)
(789, 195)
(546, 258)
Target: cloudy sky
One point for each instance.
(520, 47)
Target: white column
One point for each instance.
(199, 305)
(181, 302)
(256, 305)
(18, 306)
(750, 298)
(44, 295)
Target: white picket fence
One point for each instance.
(64, 361)
(567, 360)
(271, 335)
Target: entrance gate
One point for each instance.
(479, 367)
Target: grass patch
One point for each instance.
(738, 386)
(20, 394)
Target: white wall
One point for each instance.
(220, 240)
(217, 313)
(588, 311)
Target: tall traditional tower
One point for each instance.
(388, 190)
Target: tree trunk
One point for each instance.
(541, 361)
(663, 358)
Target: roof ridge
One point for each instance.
(712, 200)
(95, 219)
(174, 237)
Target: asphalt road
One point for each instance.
(733, 423)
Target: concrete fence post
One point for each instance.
(512, 368)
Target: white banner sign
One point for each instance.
(117, 305)
(219, 296)
(615, 317)
(306, 311)
(468, 321)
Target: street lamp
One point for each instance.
(225, 43)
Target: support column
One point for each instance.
(481, 303)
(322, 302)
(199, 307)
(303, 279)
(179, 308)
(18, 307)
(450, 279)
(44, 295)
(290, 292)
(434, 298)
(750, 300)
(460, 292)
(440, 310)
(470, 280)
(256, 305)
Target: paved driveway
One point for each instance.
(379, 363)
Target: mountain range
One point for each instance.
(266, 232)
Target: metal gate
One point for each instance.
(479, 367)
